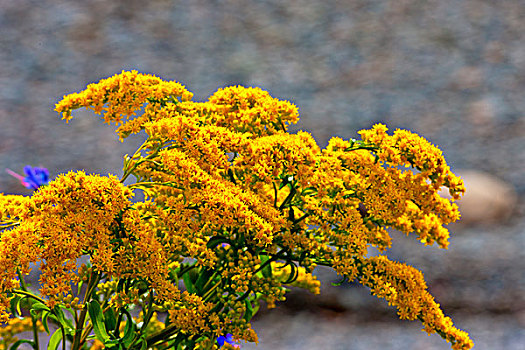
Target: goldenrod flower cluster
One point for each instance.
(236, 209)
(16, 326)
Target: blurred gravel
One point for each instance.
(450, 70)
(309, 331)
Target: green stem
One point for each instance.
(128, 172)
(154, 183)
(210, 280)
(78, 339)
(288, 198)
(34, 320)
(22, 281)
(161, 335)
(149, 314)
(274, 195)
(145, 321)
(117, 325)
(208, 294)
(63, 337)
(9, 225)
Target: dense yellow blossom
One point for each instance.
(406, 148)
(9, 332)
(11, 208)
(235, 209)
(121, 96)
(403, 286)
(251, 110)
(70, 217)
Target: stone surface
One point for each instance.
(487, 201)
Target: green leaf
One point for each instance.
(256, 307)
(203, 278)
(55, 340)
(33, 313)
(15, 305)
(129, 330)
(61, 318)
(188, 282)
(249, 310)
(143, 342)
(20, 342)
(25, 303)
(120, 285)
(38, 306)
(308, 190)
(45, 315)
(110, 320)
(111, 344)
(141, 285)
(97, 320)
(215, 241)
(267, 270)
(79, 286)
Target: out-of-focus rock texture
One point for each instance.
(452, 71)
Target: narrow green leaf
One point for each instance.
(37, 306)
(20, 342)
(293, 273)
(188, 282)
(55, 340)
(15, 305)
(24, 303)
(204, 277)
(143, 343)
(308, 190)
(97, 320)
(129, 330)
(256, 307)
(61, 318)
(79, 286)
(215, 241)
(249, 310)
(110, 320)
(120, 285)
(33, 313)
(45, 315)
(111, 344)
(267, 270)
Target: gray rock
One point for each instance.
(488, 200)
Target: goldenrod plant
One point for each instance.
(236, 210)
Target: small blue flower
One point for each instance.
(227, 339)
(35, 177)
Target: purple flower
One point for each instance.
(35, 177)
(227, 339)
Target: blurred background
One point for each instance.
(452, 71)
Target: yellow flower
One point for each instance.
(251, 110)
(121, 96)
(403, 286)
(229, 189)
